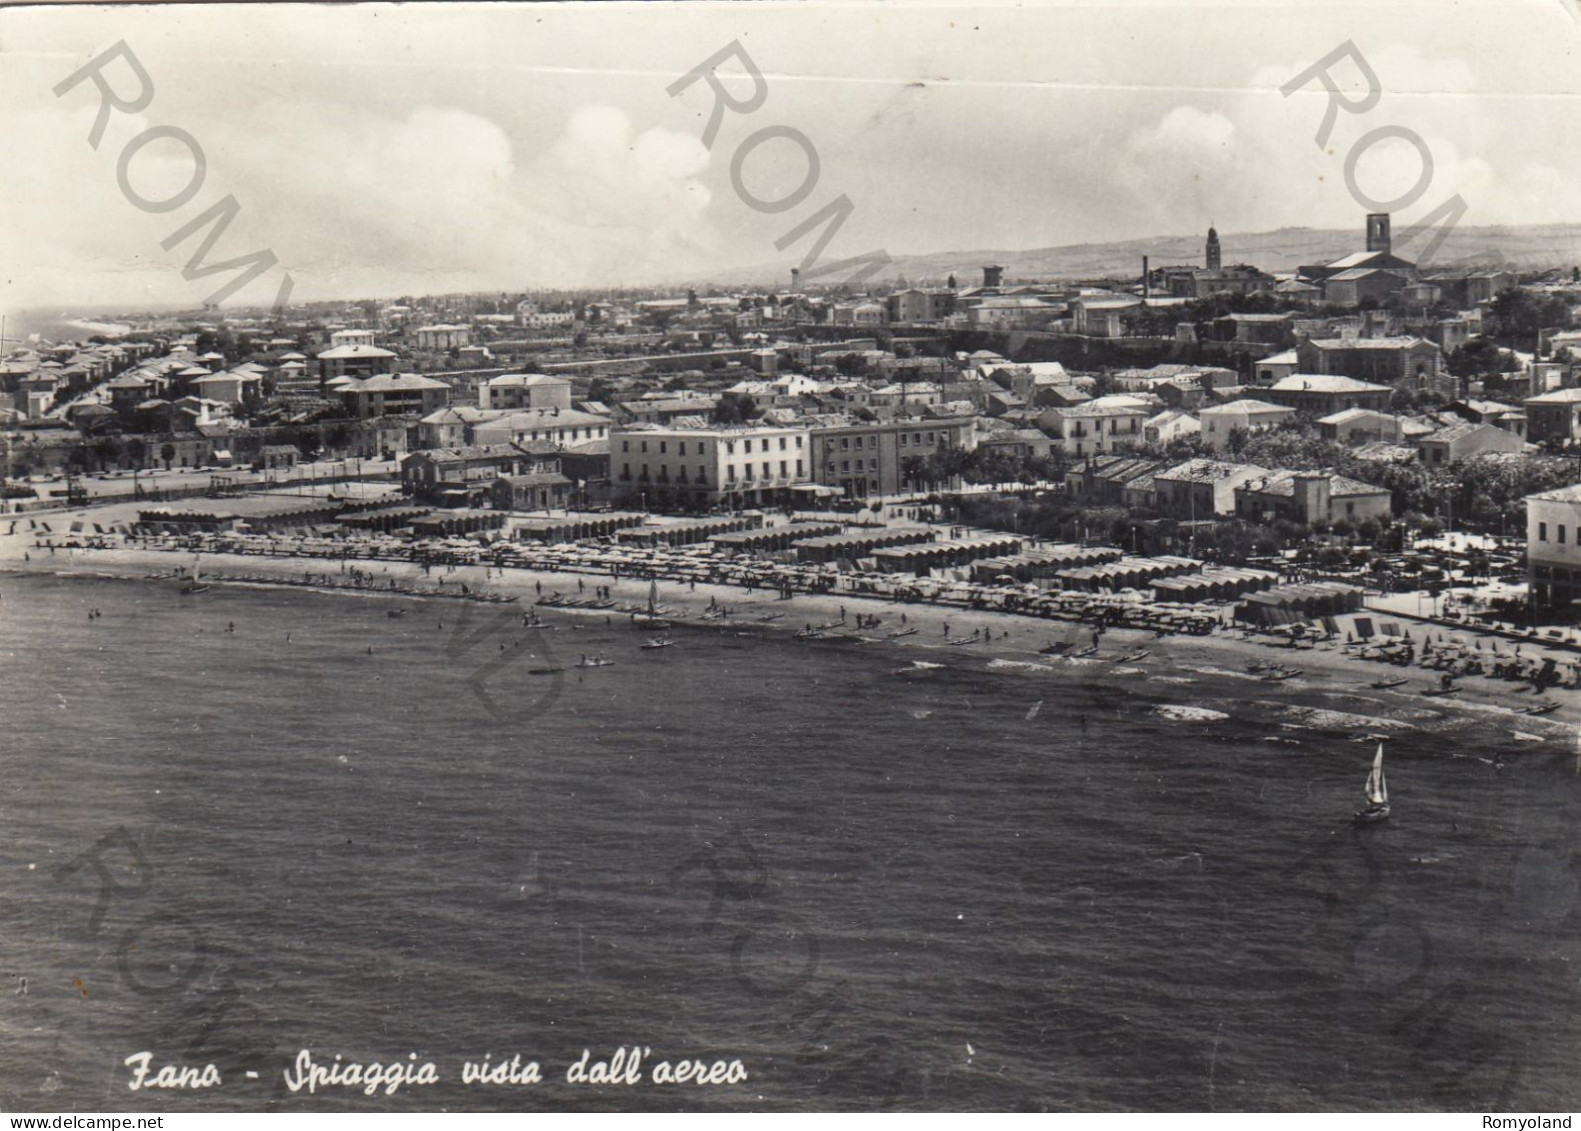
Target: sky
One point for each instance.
(380, 150)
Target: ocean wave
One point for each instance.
(1183, 714)
(1017, 665)
(1322, 718)
(1221, 671)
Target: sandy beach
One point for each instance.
(995, 635)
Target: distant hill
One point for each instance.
(1529, 247)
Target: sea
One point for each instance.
(264, 829)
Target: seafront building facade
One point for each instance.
(708, 466)
(1553, 547)
(872, 459)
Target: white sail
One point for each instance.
(653, 597)
(1377, 788)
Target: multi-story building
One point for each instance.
(1202, 488)
(1221, 422)
(541, 425)
(1405, 363)
(914, 305)
(1554, 416)
(354, 361)
(1311, 497)
(1323, 394)
(695, 468)
(873, 459)
(1100, 426)
(387, 394)
(525, 390)
(1553, 548)
(442, 337)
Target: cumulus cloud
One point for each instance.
(352, 200)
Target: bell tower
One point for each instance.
(1213, 253)
(1378, 231)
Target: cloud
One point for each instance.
(353, 200)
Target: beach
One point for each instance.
(940, 628)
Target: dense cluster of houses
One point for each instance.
(726, 401)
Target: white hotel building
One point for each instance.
(1553, 548)
(697, 468)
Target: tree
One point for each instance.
(106, 449)
(735, 408)
(168, 454)
(1518, 315)
(1480, 358)
(851, 364)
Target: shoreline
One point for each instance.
(1004, 638)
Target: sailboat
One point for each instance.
(1377, 791)
(196, 584)
(651, 618)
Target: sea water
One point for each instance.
(253, 825)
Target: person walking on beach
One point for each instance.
(946, 628)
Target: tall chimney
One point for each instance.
(1147, 281)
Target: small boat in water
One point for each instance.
(1090, 650)
(395, 614)
(1132, 657)
(1279, 675)
(1054, 649)
(653, 618)
(595, 662)
(1377, 792)
(657, 642)
(1385, 684)
(192, 587)
(544, 671)
(902, 632)
(1541, 709)
(1437, 692)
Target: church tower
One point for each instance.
(1378, 238)
(1213, 249)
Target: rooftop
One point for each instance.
(1284, 483)
(391, 383)
(1207, 471)
(1243, 407)
(1571, 494)
(1368, 343)
(1325, 383)
(342, 352)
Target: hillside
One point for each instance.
(1527, 247)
